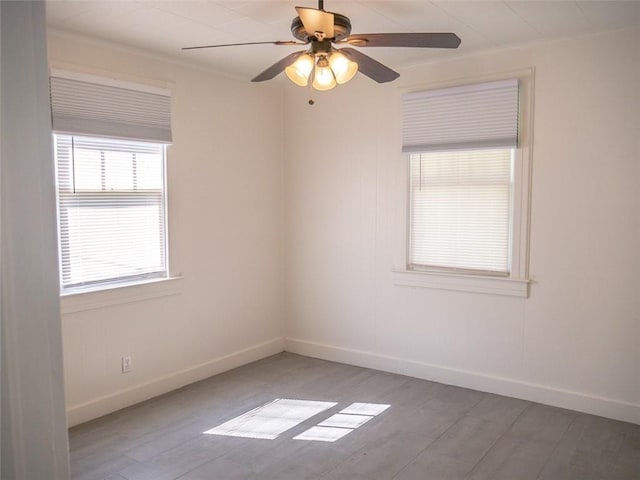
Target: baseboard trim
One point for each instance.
(98, 407)
(581, 402)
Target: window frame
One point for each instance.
(517, 282)
(114, 282)
(73, 302)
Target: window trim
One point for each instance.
(517, 283)
(461, 282)
(119, 294)
(96, 298)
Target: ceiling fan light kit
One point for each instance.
(326, 69)
(328, 66)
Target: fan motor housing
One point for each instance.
(341, 28)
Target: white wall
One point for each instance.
(575, 342)
(226, 222)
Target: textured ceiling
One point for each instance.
(163, 27)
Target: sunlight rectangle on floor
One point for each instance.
(272, 419)
(371, 409)
(323, 434)
(345, 421)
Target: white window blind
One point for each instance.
(98, 107)
(111, 209)
(460, 210)
(461, 143)
(471, 116)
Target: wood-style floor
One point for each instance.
(430, 432)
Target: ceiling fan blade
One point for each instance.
(276, 68)
(278, 42)
(316, 21)
(419, 40)
(370, 67)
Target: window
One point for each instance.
(460, 207)
(468, 186)
(111, 208)
(110, 142)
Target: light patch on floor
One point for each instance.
(337, 426)
(272, 419)
(323, 434)
(345, 421)
(372, 409)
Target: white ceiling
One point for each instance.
(163, 27)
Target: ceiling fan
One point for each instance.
(327, 65)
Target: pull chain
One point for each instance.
(311, 101)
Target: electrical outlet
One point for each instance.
(126, 364)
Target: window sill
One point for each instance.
(462, 283)
(117, 295)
